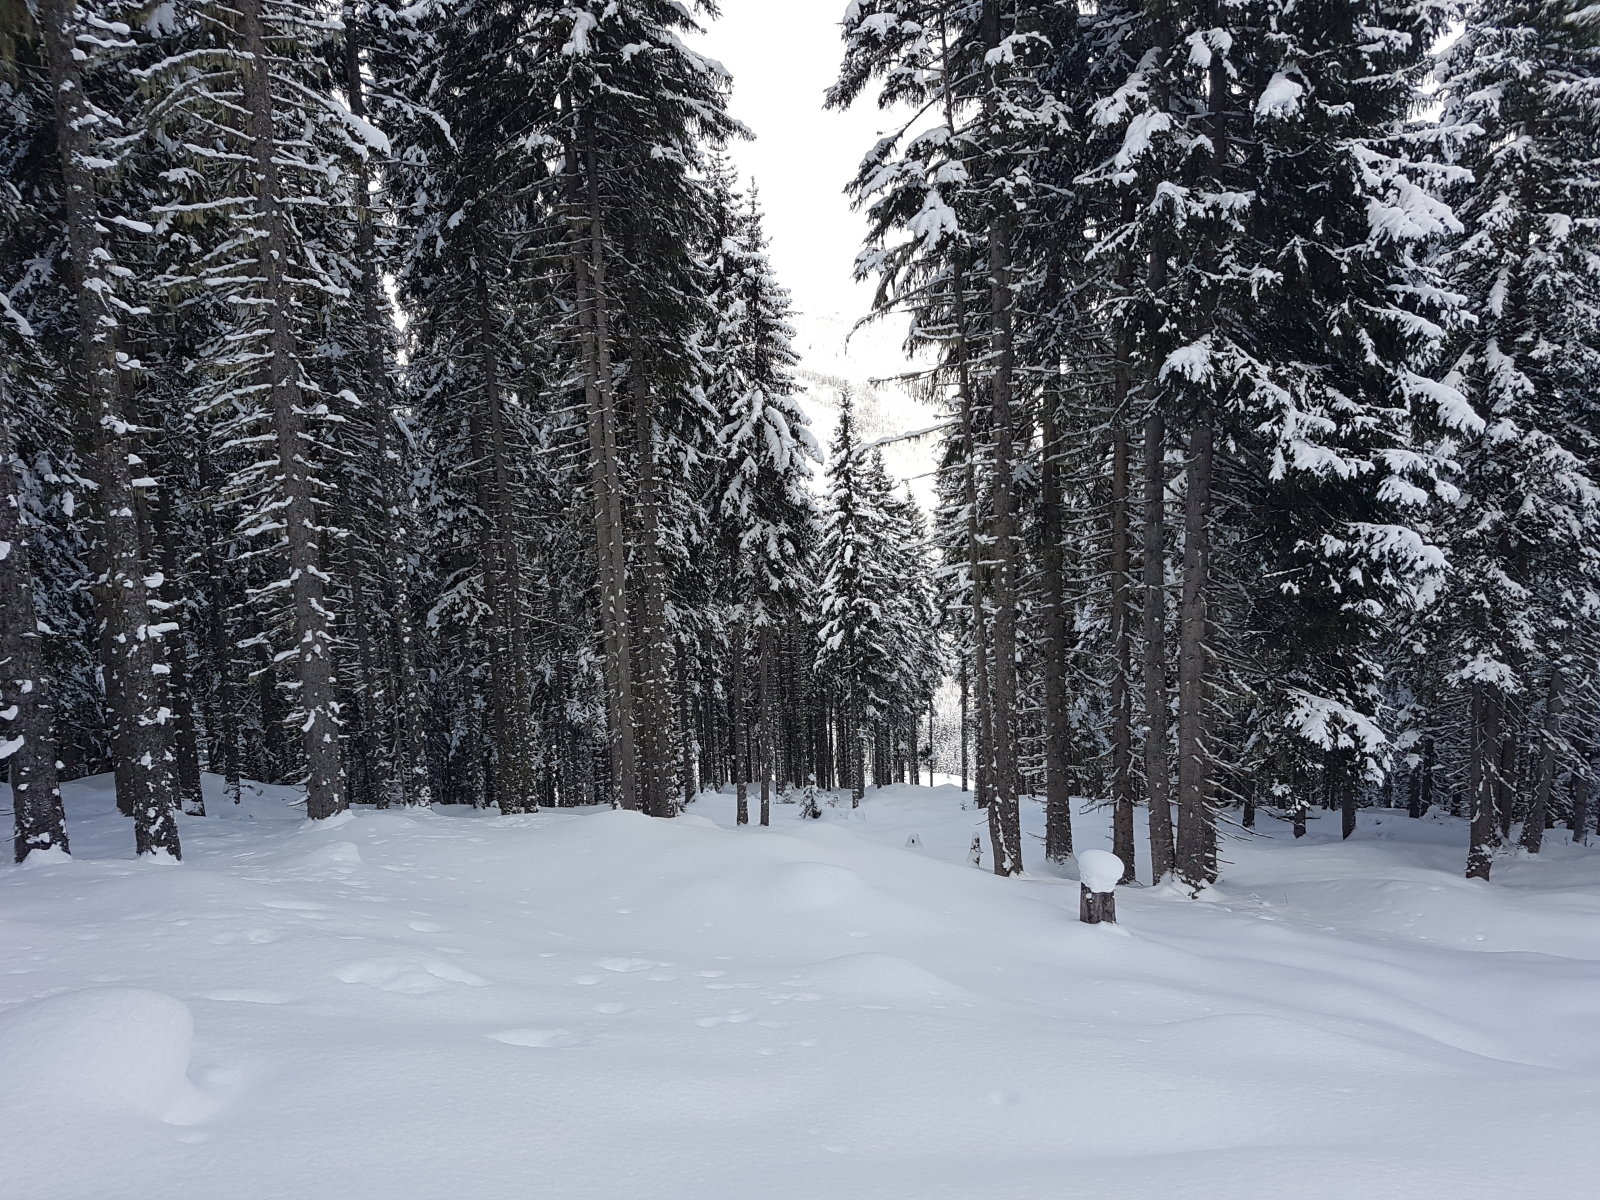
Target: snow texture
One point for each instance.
(594, 1005)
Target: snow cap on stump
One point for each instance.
(1099, 870)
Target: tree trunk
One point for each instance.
(1058, 730)
(765, 723)
(736, 725)
(318, 694)
(1005, 818)
(965, 771)
(605, 478)
(406, 719)
(189, 793)
(27, 735)
(1538, 812)
(146, 786)
(652, 643)
(1194, 861)
(1505, 788)
(1121, 632)
(1580, 804)
(1483, 768)
(1157, 774)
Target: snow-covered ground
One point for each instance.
(598, 1005)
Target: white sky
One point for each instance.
(783, 55)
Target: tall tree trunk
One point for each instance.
(764, 717)
(690, 751)
(741, 742)
(1539, 811)
(27, 735)
(1121, 632)
(1579, 784)
(407, 779)
(1483, 768)
(1005, 817)
(224, 742)
(1157, 774)
(134, 659)
(1194, 862)
(318, 692)
(164, 549)
(511, 718)
(652, 645)
(1505, 785)
(1058, 729)
(604, 474)
(964, 732)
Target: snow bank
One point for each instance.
(111, 1049)
(812, 1008)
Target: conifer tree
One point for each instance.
(1517, 620)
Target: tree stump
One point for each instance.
(1095, 908)
(1099, 872)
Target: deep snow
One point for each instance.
(597, 1005)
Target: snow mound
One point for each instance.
(112, 1049)
(334, 854)
(536, 1039)
(808, 886)
(341, 818)
(884, 978)
(54, 856)
(408, 977)
(1100, 870)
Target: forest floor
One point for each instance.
(597, 1006)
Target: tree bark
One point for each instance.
(406, 721)
(1580, 804)
(1538, 812)
(1058, 730)
(741, 742)
(134, 659)
(1483, 767)
(1195, 865)
(1005, 818)
(318, 693)
(1121, 633)
(652, 639)
(27, 735)
(1157, 774)
(605, 476)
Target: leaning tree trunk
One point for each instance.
(27, 736)
(1195, 865)
(312, 621)
(133, 642)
